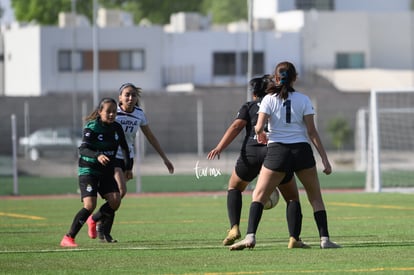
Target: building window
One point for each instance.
(131, 60)
(65, 60)
(258, 63)
(235, 64)
(109, 60)
(315, 4)
(350, 61)
(224, 64)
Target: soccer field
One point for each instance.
(164, 183)
(182, 234)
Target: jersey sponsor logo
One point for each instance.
(108, 153)
(128, 122)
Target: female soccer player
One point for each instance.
(248, 167)
(290, 118)
(102, 136)
(132, 118)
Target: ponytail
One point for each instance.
(285, 76)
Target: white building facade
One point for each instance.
(336, 35)
(38, 59)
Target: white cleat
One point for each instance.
(248, 242)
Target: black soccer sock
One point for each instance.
(255, 214)
(294, 218)
(234, 206)
(78, 221)
(98, 216)
(108, 215)
(107, 223)
(322, 223)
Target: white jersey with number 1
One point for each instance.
(286, 124)
(131, 123)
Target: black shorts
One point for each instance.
(121, 163)
(91, 185)
(250, 162)
(294, 157)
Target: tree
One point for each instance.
(225, 11)
(1, 12)
(159, 11)
(156, 11)
(340, 132)
(45, 12)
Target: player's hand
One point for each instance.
(213, 153)
(128, 175)
(327, 167)
(104, 160)
(262, 138)
(169, 166)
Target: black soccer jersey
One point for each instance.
(248, 112)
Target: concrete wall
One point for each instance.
(22, 62)
(373, 5)
(392, 41)
(385, 39)
(173, 116)
(267, 8)
(326, 34)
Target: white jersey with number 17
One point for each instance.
(131, 123)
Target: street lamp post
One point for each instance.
(73, 67)
(95, 38)
(250, 47)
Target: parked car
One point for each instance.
(50, 140)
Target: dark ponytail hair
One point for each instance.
(258, 85)
(285, 75)
(95, 113)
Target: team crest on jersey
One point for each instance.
(89, 188)
(116, 136)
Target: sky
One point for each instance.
(8, 16)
